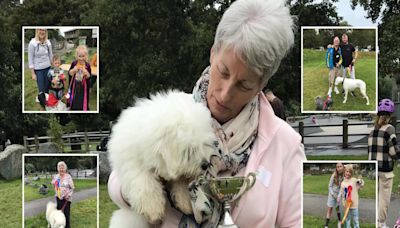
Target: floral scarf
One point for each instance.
(234, 143)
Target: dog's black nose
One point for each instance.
(204, 165)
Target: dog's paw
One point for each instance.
(180, 196)
(154, 211)
(336, 91)
(344, 102)
(182, 201)
(367, 103)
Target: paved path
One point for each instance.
(38, 206)
(316, 205)
(335, 150)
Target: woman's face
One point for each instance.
(42, 33)
(339, 168)
(232, 85)
(61, 169)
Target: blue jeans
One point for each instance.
(42, 80)
(353, 213)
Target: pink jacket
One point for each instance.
(275, 199)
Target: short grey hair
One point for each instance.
(260, 32)
(62, 163)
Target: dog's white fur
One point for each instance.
(55, 218)
(168, 136)
(350, 85)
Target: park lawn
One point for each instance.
(313, 221)
(11, 215)
(10, 203)
(106, 206)
(318, 184)
(83, 214)
(315, 82)
(32, 193)
(338, 157)
(396, 179)
(31, 90)
(396, 169)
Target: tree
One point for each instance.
(151, 46)
(389, 35)
(29, 168)
(286, 82)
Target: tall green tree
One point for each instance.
(286, 82)
(148, 46)
(389, 36)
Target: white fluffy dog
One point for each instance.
(165, 138)
(55, 218)
(350, 85)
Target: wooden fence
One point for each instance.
(344, 134)
(83, 142)
(78, 142)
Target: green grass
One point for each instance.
(396, 169)
(31, 193)
(312, 221)
(83, 214)
(396, 179)
(11, 212)
(315, 82)
(337, 157)
(10, 203)
(31, 89)
(106, 206)
(318, 184)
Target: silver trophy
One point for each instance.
(227, 190)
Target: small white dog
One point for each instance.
(350, 85)
(55, 218)
(169, 138)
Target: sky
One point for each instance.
(354, 17)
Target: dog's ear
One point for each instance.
(172, 149)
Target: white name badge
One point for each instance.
(264, 176)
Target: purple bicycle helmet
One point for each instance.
(386, 105)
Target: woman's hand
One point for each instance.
(33, 75)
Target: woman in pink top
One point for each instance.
(252, 38)
(64, 188)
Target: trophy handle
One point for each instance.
(250, 181)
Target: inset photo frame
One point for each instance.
(339, 69)
(60, 190)
(60, 69)
(340, 193)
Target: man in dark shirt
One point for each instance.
(349, 55)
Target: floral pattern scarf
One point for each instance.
(234, 143)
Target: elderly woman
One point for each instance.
(64, 188)
(252, 38)
(40, 55)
